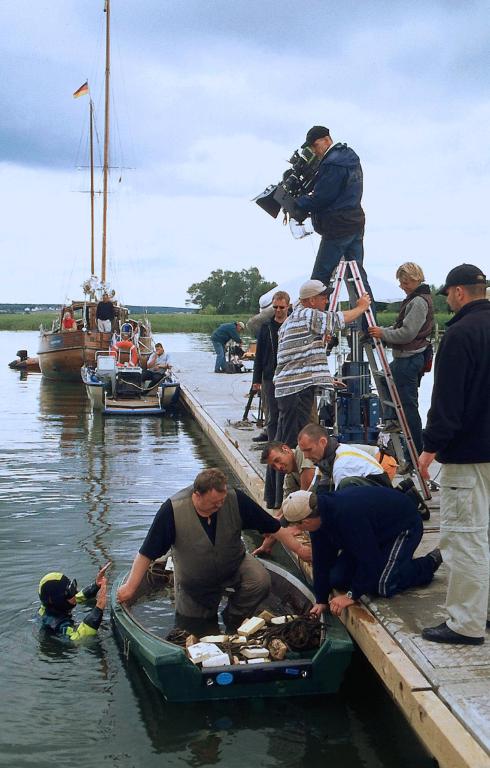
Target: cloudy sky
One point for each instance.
(210, 98)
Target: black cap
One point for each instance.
(465, 274)
(317, 132)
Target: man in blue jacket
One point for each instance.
(220, 337)
(335, 205)
(458, 435)
(362, 542)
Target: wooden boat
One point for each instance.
(141, 629)
(62, 353)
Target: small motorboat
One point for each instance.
(313, 664)
(25, 363)
(118, 389)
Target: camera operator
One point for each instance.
(335, 205)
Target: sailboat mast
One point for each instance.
(107, 10)
(92, 226)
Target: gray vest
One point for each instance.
(200, 566)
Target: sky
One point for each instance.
(209, 100)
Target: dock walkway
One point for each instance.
(444, 691)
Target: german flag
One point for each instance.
(82, 91)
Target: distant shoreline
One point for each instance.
(167, 323)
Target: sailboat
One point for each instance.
(63, 352)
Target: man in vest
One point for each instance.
(202, 525)
(409, 338)
(340, 464)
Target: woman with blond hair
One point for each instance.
(409, 339)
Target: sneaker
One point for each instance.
(436, 558)
(262, 438)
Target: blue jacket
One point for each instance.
(335, 204)
(363, 523)
(225, 332)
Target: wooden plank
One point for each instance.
(436, 726)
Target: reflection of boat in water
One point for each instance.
(116, 384)
(25, 363)
(142, 626)
(62, 352)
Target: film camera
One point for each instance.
(297, 180)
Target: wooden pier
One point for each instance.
(444, 691)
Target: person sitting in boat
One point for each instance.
(362, 540)
(202, 525)
(68, 323)
(59, 596)
(105, 314)
(124, 350)
(158, 365)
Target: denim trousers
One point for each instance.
(329, 255)
(220, 356)
(407, 372)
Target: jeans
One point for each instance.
(329, 255)
(407, 372)
(220, 363)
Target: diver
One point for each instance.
(59, 595)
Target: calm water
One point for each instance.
(76, 491)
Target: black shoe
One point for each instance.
(443, 634)
(390, 425)
(405, 469)
(262, 438)
(436, 558)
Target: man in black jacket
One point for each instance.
(264, 369)
(335, 205)
(458, 435)
(362, 541)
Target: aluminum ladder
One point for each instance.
(348, 272)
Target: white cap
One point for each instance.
(297, 506)
(312, 288)
(240, 325)
(265, 301)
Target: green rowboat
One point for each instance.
(142, 626)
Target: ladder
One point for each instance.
(378, 363)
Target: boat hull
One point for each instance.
(179, 680)
(61, 355)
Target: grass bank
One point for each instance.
(166, 323)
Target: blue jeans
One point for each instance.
(407, 372)
(220, 363)
(329, 255)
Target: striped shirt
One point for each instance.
(301, 358)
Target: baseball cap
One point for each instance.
(297, 506)
(317, 132)
(465, 274)
(313, 288)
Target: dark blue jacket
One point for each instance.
(335, 205)
(364, 523)
(225, 332)
(458, 422)
(266, 352)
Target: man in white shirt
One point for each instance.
(158, 365)
(340, 465)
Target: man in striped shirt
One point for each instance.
(301, 358)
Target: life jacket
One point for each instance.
(125, 352)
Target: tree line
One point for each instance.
(226, 293)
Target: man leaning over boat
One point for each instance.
(202, 525)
